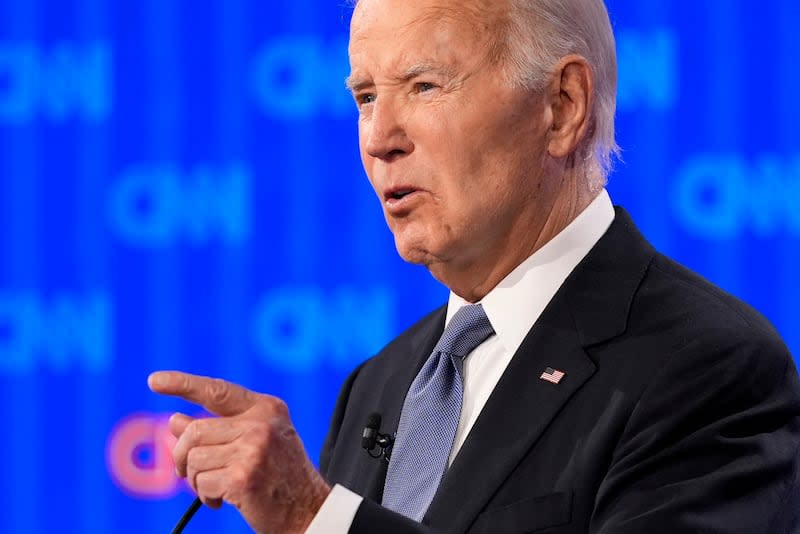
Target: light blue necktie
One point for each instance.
(430, 415)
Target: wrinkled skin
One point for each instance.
(250, 456)
(474, 174)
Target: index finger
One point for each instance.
(218, 396)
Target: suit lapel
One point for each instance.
(591, 307)
(519, 409)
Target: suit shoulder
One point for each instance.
(676, 296)
(685, 323)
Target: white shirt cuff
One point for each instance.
(337, 512)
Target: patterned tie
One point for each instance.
(430, 416)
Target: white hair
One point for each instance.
(541, 32)
(538, 33)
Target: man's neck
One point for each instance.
(475, 279)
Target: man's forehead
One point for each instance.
(431, 28)
(401, 62)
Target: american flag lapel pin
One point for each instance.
(552, 375)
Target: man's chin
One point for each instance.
(413, 251)
(414, 255)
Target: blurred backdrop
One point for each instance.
(180, 188)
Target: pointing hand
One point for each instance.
(250, 456)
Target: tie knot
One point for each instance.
(468, 328)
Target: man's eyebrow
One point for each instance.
(355, 84)
(424, 68)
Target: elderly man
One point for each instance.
(576, 381)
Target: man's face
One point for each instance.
(453, 151)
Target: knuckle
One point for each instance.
(279, 407)
(195, 431)
(184, 383)
(273, 410)
(254, 454)
(218, 390)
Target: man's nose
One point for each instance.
(386, 132)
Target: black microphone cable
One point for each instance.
(187, 516)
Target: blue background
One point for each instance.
(180, 188)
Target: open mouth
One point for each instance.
(397, 195)
(401, 198)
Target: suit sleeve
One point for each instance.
(372, 517)
(711, 446)
(329, 444)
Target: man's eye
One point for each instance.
(366, 98)
(422, 87)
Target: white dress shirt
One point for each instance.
(512, 307)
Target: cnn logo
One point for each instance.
(139, 457)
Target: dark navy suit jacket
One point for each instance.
(679, 412)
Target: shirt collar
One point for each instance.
(515, 304)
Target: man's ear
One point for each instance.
(571, 97)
